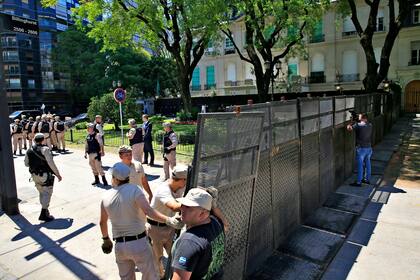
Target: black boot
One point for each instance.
(45, 216)
(14, 152)
(20, 153)
(96, 180)
(104, 181)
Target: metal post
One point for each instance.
(272, 87)
(71, 135)
(121, 126)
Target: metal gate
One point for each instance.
(326, 148)
(339, 138)
(309, 130)
(285, 169)
(227, 156)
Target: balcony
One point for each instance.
(349, 33)
(195, 88)
(413, 62)
(247, 82)
(229, 50)
(317, 78)
(209, 86)
(349, 78)
(317, 38)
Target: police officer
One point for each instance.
(148, 147)
(35, 125)
(42, 168)
(53, 134)
(132, 248)
(60, 130)
(99, 127)
(135, 136)
(24, 122)
(94, 149)
(28, 128)
(170, 141)
(44, 127)
(17, 134)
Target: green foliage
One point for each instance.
(183, 116)
(157, 119)
(80, 126)
(109, 109)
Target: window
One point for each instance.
(350, 66)
(13, 83)
(231, 72)
(416, 15)
(318, 34)
(415, 53)
(317, 69)
(10, 56)
(380, 21)
(11, 69)
(229, 47)
(196, 79)
(29, 70)
(25, 2)
(348, 27)
(210, 79)
(9, 41)
(31, 84)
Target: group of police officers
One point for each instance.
(52, 127)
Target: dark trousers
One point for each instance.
(148, 149)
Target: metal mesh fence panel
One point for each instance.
(226, 156)
(339, 156)
(349, 143)
(326, 160)
(309, 129)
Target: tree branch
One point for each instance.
(354, 18)
(228, 33)
(290, 45)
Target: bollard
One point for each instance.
(71, 135)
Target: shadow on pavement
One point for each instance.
(53, 247)
(152, 177)
(102, 186)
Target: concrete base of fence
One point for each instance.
(347, 203)
(331, 220)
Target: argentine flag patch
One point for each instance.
(182, 260)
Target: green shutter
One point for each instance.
(210, 80)
(196, 77)
(292, 70)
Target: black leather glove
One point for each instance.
(107, 245)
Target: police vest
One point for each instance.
(30, 125)
(60, 126)
(23, 123)
(138, 137)
(18, 128)
(167, 141)
(45, 127)
(37, 162)
(93, 144)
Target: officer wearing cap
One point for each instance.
(60, 129)
(23, 123)
(170, 140)
(126, 206)
(94, 149)
(35, 125)
(135, 137)
(53, 134)
(198, 253)
(164, 201)
(29, 132)
(42, 168)
(137, 175)
(17, 135)
(99, 126)
(44, 127)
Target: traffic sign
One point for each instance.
(119, 95)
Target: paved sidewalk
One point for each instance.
(385, 242)
(69, 247)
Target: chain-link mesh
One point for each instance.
(339, 155)
(326, 160)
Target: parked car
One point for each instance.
(79, 118)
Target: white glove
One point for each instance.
(174, 222)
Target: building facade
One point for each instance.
(334, 58)
(29, 76)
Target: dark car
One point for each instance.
(27, 113)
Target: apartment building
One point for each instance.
(334, 58)
(29, 76)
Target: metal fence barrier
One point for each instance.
(273, 167)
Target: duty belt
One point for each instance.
(154, 223)
(130, 238)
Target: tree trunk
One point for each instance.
(184, 82)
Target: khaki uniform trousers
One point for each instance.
(24, 138)
(96, 165)
(53, 136)
(132, 254)
(162, 237)
(45, 192)
(61, 141)
(30, 138)
(170, 162)
(47, 139)
(17, 141)
(138, 151)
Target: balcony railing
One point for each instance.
(349, 77)
(317, 38)
(229, 50)
(316, 78)
(209, 86)
(349, 33)
(195, 88)
(413, 62)
(247, 82)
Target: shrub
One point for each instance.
(80, 126)
(183, 116)
(157, 119)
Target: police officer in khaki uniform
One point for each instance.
(17, 134)
(132, 248)
(35, 125)
(44, 127)
(29, 132)
(42, 168)
(170, 140)
(60, 129)
(23, 123)
(53, 134)
(94, 149)
(135, 136)
(137, 175)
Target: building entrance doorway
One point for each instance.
(412, 97)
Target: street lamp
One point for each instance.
(273, 75)
(386, 85)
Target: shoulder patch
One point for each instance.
(182, 260)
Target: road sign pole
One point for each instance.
(121, 126)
